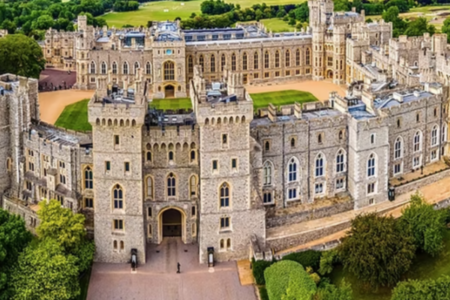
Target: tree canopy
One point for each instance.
(377, 249)
(21, 55)
(438, 289)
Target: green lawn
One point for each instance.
(171, 104)
(155, 11)
(277, 25)
(75, 117)
(424, 267)
(281, 98)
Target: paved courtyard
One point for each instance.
(157, 279)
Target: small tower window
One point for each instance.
(292, 142)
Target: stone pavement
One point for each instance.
(158, 280)
(433, 193)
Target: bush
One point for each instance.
(288, 280)
(309, 258)
(327, 261)
(258, 268)
(263, 293)
(329, 291)
(438, 289)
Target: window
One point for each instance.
(149, 156)
(371, 165)
(266, 146)
(224, 139)
(171, 155)
(201, 62)
(277, 59)
(107, 165)
(444, 133)
(292, 142)
(318, 188)
(190, 64)
(372, 138)
(434, 155)
(234, 163)
(118, 197)
(62, 179)
(116, 140)
(169, 70)
(127, 167)
(341, 135)
(292, 171)
(222, 244)
(103, 68)
(399, 124)
(417, 117)
(125, 68)
(149, 212)
(371, 201)
(228, 243)
(225, 195)
(267, 173)
(297, 57)
(213, 63)
(88, 182)
(115, 245)
(233, 62)
(292, 193)
(319, 138)
(398, 148)
(255, 61)
(397, 168)
(223, 62)
(308, 57)
(288, 58)
(435, 112)
(136, 67)
(416, 162)
(417, 142)
(434, 136)
(193, 211)
(148, 68)
(171, 185)
(370, 188)
(193, 186)
(340, 184)
(340, 161)
(266, 60)
(88, 203)
(224, 222)
(244, 61)
(214, 165)
(319, 165)
(150, 231)
(118, 224)
(92, 68)
(149, 183)
(114, 68)
(193, 155)
(267, 197)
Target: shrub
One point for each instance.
(263, 293)
(329, 291)
(309, 258)
(327, 261)
(288, 280)
(258, 268)
(438, 289)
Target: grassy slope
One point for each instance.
(277, 25)
(281, 98)
(172, 104)
(424, 267)
(75, 117)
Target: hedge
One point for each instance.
(309, 258)
(263, 293)
(438, 289)
(258, 268)
(288, 280)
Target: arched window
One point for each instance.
(125, 68)
(224, 195)
(292, 142)
(115, 245)
(319, 138)
(149, 183)
(434, 136)
(233, 62)
(148, 68)
(88, 182)
(114, 68)
(222, 244)
(297, 57)
(201, 62)
(171, 185)
(444, 133)
(118, 197)
(292, 170)
(398, 148)
(103, 68)
(92, 68)
(319, 165)
(190, 64)
(417, 117)
(171, 155)
(193, 186)
(277, 59)
(136, 67)
(288, 58)
(308, 57)
(193, 155)
(223, 62)
(169, 70)
(398, 123)
(340, 161)
(417, 141)
(149, 156)
(255, 61)
(228, 243)
(267, 173)
(213, 63)
(371, 165)
(267, 146)
(122, 245)
(244, 61)
(266, 60)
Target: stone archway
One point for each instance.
(329, 74)
(169, 91)
(172, 223)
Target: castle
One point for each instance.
(223, 173)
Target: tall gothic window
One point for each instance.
(233, 62)
(92, 68)
(297, 57)
(308, 57)
(267, 173)
(169, 70)
(288, 58)
(434, 136)
(148, 68)
(340, 161)
(292, 170)
(114, 68)
(136, 67)
(171, 185)
(125, 68)
(319, 165)
(149, 187)
(103, 68)
(417, 141)
(88, 181)
(223, 62)
(398, 148)
(266, 60)
(201, 61)
(225, 195)
(193, 186)
(190, 64)
(371, 165)
(255, 61)
(277, 59)
(118, 197)
(244, 61)
(213, 63)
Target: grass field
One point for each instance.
(277, 25)
(169, 10)
(281, 98)
(424, 267)
(171, 104)
(75, 117)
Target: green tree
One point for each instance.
(438, 289)
(377, 249)
(426, 224)
(446, 28)
(392, 15)
(327, 261)
(14, 237)
(43, 22)
(418, 27)
(329, 291)
(44, 272)
(288, 280)
(21, 55)
(341, 5)
(9, 25)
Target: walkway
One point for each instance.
(433, 193)
(158, 278)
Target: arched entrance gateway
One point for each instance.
(169, 91)
(329, 74)
(172, 223)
